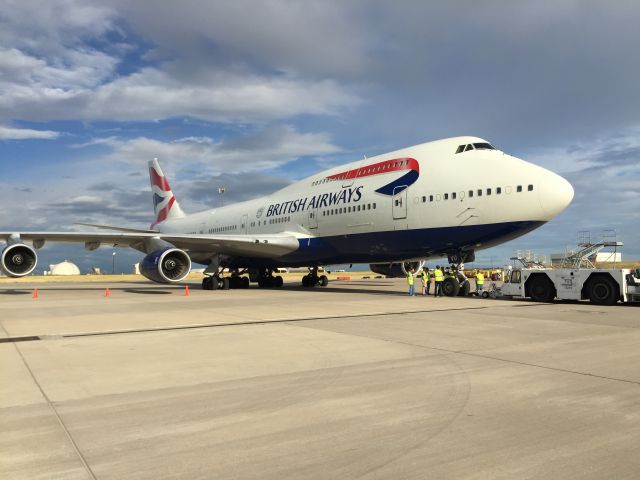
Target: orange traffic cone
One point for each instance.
(107, 292)
(35, 293)
(186, 290)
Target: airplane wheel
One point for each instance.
(464, 289)
(245, 282)
(450, 287)
(324, 281)
(278, 282)
(224, 284)
(305, 281)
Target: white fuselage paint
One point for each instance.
(441, 172)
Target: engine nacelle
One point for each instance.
(168, 265)
(18, 260)
(399, 269)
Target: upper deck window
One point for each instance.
(483, 146)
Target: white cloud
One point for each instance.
(267, 148)
(8, 133)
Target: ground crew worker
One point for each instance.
(439, 277)
(479, 282)
(426, 281)
(410, 282)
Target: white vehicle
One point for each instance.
(446, 198)
(600, 286)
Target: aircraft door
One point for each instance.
(313, 218)
(244, 223)
(399, 199)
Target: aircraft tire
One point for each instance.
(464, 289)
(244, 282)
(224, 284)
(323, 281)
(278, 282)
(450, 287)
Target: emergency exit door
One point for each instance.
(399, 199)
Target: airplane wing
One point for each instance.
(270, 245)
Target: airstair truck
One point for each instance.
(600, 286)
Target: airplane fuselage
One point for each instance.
(424, 201)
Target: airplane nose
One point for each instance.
(555, 194)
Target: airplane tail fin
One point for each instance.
(165, 205)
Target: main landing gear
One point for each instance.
(218, 282)
(312, 279)
(266, 279)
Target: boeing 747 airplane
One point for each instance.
(446, 198)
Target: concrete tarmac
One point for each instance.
(356, 380)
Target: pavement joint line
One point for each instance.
(53, 409)
(488, 357)
(546, 367)
(59, 336)
(233, 324)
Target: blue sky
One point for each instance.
(255, 94)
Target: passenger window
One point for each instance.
(519, 188)
(438, 197)
(498, 190)
(431, 198)
(479, 192)
(424, 199)
(460, 149)
(488, 191)
(469, 147)
(446, 196)
(453, 196)
(530, 188)
(374, 206)
(470, 193)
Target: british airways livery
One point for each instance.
(446, 198)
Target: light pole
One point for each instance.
(113, 263)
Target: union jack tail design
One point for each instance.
(165, 205)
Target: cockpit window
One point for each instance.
(483, 146)
(460, 149)
(469, 147)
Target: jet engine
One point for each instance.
(398, 269)
(167, 265)
(18, 260)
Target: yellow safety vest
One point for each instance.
(438, 274)
(425, 277)
(480, 279)
(410, 278)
